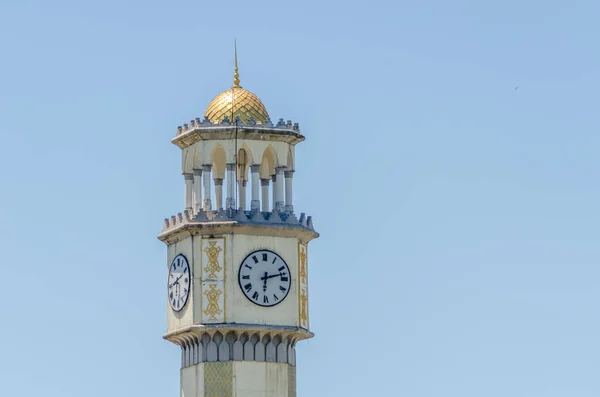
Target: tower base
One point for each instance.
(238, 378)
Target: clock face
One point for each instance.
(178, 289)
(265, 278)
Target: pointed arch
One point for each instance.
(290, 163)
(268, 163)
(244, 161)
(196, 159)
(187, 161)
(218, 162)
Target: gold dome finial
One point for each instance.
(236, 75)
(236, 102)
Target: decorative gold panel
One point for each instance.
(218, 379)
(213, 280)
(213, 267)
(213, 309)
(303, 285)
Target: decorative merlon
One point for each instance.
(198, 131)
(205, 218)
(226, 122)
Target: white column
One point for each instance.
(289, 177)
(219, 193)
(207, 193)
(189, 178)
(274, 190)
(255, 203)
(197, 191)
(279, 203)
(242, 194)
(230, 200)
(264, 183)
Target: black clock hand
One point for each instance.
(176, 281)
(271, 276)
(265, 279)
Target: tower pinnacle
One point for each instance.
(236, 75)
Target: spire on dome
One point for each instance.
(236, 102)
(236, 75)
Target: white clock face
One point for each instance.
(264, 278)
(179, 282)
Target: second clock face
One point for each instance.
(179, 282)
(265, 278)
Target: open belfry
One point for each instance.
(237, 276)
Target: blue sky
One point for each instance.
(459, 216)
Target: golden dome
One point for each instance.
(236, 102)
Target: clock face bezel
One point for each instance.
(242, 287)
(189, 283)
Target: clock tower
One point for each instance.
(237, 256)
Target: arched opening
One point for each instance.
(290, 160)
(267, 176)
(218, 175)
(243, 163)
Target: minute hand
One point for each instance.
(176, 281)
(271, 276)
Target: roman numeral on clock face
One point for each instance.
(255, 296)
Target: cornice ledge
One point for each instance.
(190, 135)
(251, 123)
(199, 329)
(187, 222)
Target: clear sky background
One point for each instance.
(458, 215)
